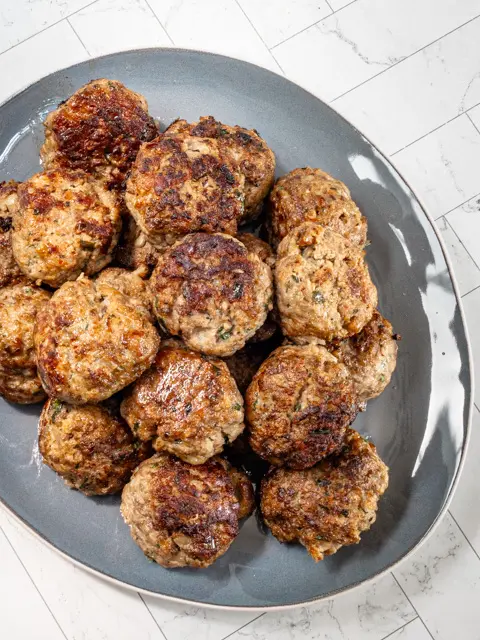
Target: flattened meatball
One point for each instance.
(299, 405)
(134, 250)
(19, 306)
(10, 272)
(188, 402)
(183, 515)
(258, 247)
(248, 152)
(90, 447)
(181, 184)
(370, 357)
(311, 195)
(99, 129)
(66, 223)
(324, 288)
(210, 291)
(131, 284)
(330, 505)
(91, 341)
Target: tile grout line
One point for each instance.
(151, 614)
(476, 407)
(460, 240)
(469, 292)
(63, 18)
(400, 628)
(469, 117)
(158, 20)
(2, 531)
(262, 40)
(411, 604)
(464, 534)
(243, 626)
(329, 6)
(79, 38)
(477, 195)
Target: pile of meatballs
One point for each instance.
(180, 356)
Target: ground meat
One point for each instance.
(133, 250)
(132, 285)
(10, 272)
(258, 247)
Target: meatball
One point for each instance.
(183, 515)
(134, 250)
(19, 306)
(330, 505)
(311, 195)
(299, 405)
(188, 402)
(324, 288)
(66, 223)
(258, 247)
(99, 129)
(210, 291)
(90, 447)
(131, 284)
(91, 341)
(247, 151)
(10, 272)
(181, 184)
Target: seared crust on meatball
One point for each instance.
(66, 223)
(99, 129)
(10, 272)
(370, 356)
(211, 292)
(91, 341)
(311, 195)
(131, 284)
(90, 447)
(19, 306)
(329, 505)
(133, 249)
(188, 402)
(324, 288)
(299, 405)
(258, 247)
(180, 184)
(246, 150)
(181, 515)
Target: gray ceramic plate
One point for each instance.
(420, 424)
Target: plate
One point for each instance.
(420, 424)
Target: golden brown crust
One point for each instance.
(329, 505)
(182, 184)
(210, 291)
(99, 129)
(188, 402)
(133, 250)
(258, 247)
(311, 195)
(91, 341)
(10, 272)
(324, 288)
(90, 447)
(299, 405)
(66, 223)
(181, 515)
(132, 285)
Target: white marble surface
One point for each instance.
(408, 74)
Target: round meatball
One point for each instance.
(181, 184)
(133, 250)
(90, 447)
(183, 515)
(324, 288)
(131, 284)
(19, 306)
(92, 341)
(299, 405)
(311, 195)
(247, 151)
(330, 505)
(188, 402)
(66, 223)
(10, 272)
(258, 247)
(210, 291)
(370, 357)
(99, 129)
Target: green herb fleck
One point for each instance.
(237, 406)
(317, 297)
(188, 408)
(320, 538)
(136, 426)
(381, 377)
(320, 432)
(217, 370)
(224, 334)
(238, 290)
(295, 278)
(344, 513)
(297, 406)
(56, 408)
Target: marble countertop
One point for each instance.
(407, 72)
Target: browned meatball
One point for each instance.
(324, 288)
(19, 306)
(183, 515)
(248, 152)
(91, 341)
(99, 129)
(311, 195)
(66, 223)
(258, 247)
(330, 505)
(299, 405)
(181, 184)
(370, 357)
(10, 272)
(131, 284)
(188, 402)
(211, 292)
(133, 250)
(90, 447)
